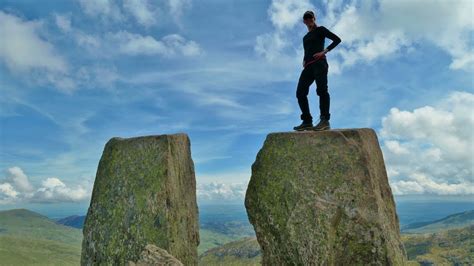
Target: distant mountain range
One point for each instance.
(76, 221)
(457, 220)
(239, 228)
(27, 237)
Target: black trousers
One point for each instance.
(315, 71)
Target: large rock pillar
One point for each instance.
(144, 193)
(323, 198)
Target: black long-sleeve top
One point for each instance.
(313, 42)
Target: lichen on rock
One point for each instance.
(323, 198)
(144, 193)
(153, 255)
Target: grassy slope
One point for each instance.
(214, 234)
(211, 239)
(22, 222)
(27, 237)
(26, 251)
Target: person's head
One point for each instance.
(309, 19)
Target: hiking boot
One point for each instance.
(304, 126)
(322, 125)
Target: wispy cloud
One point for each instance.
(169, 45)
(146, 13)
(143, 11)
(26, 53)
(104, 9)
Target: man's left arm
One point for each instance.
(330, 35)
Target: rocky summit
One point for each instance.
(323, 198)
(144, 193)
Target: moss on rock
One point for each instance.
(144, 193)
(323, 198)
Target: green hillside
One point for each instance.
(211, 239)
(244, 251)
(27, 251)
(27, 238)
(214, 234)
(457, 220)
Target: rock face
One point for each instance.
(323, 198)
(144, 193)
(153, 255)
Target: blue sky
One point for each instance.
(74, 74)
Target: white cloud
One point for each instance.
(449, 28)
(210, 187)
(383, 44)
(395, 26)
(270, 45)
(104, 9)
(54, 190)
(374, 30)
(63, 22)
(123, 42)
(7, 193)
(16, 176)
(24, 52)
(395, 147)
(98, 76)
(284, 16)
(22, 49)
(216, 191)
(170, 45)
(177, 7)
(420, 183)
(430, 149)
(16, 188)
(36, 61)
(142, 11)
(179, 44)
(145, 12)
(91, 42)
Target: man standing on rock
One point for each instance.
(315, 68)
